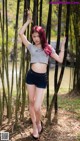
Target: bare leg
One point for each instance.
(38, 102)
(31, 90)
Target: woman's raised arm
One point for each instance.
(22, 30)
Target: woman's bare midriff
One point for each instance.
(39, 67)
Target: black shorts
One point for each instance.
(37, 79)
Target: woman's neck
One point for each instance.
(38, 45)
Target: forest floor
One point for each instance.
(64, 127)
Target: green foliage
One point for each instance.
(12, 7)
(0, 58)
(69, 103)
(0, 6)
(11, 37)
(54, 17)
(0, 39)
(1, 109)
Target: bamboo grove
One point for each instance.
(15, 101)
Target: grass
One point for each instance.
(71, 104)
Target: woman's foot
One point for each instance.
(35, 137)
(35, 134)
(40, 127)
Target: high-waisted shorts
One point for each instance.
(37, 79)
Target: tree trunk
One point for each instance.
(15, 52)
(35, 13)
(40, 15)
(48, 35)
(76, 21)
(3, 56)
(57, 50)
(26, 6)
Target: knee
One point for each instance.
(31, 102)
(37, 108)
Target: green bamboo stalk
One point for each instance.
(3, 56)
(9, 114)
(48, 35)
(15, 51)
(1, 109)
(23, 66)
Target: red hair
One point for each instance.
(45, 46)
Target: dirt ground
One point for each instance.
(65, 127)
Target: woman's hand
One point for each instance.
(29, 17)
(64, 40)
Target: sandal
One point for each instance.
(35, 138)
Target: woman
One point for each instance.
(36, 78)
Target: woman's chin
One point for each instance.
(37, 44)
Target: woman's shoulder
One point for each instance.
(30, 45)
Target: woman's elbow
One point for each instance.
(61, 60)
(57, 58)
(20, 34)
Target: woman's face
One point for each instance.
(36, 38)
